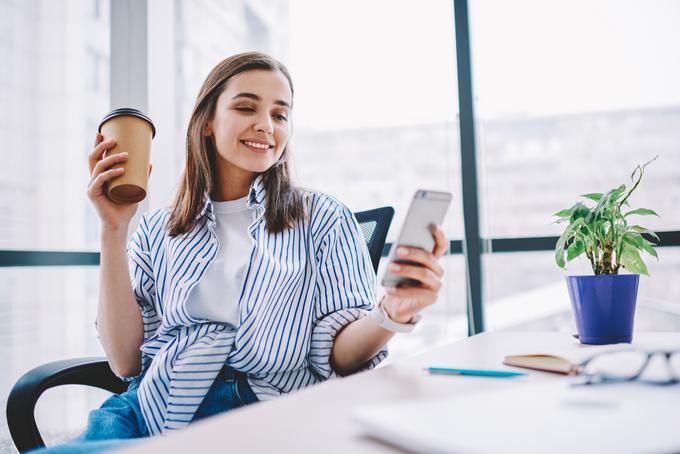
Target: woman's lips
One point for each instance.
(257, 147)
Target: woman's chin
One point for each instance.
(252, 164)
(259, 167)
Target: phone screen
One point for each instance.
(427, 207)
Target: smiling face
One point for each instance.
(251, 124)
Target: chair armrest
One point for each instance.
(91, 371)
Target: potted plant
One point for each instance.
(604, 304)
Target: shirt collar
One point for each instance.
(258, 192)
(256, 196)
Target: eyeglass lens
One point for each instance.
(674, 364)
(617, 365)
(629, 364)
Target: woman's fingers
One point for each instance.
(107, 162)
(96, 187)
(99, 149)
(421, 266)
(419, 256)
(441, 243)
(425, 276)
(100, 171)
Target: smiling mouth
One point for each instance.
(257, 146)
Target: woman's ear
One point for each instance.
(207, 131)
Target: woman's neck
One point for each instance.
(232, 184)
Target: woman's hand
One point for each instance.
(114, 216)
(403, 303)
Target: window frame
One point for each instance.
(129, 18)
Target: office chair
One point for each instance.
(95, 371)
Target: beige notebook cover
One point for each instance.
(547, 363)
(562, 362)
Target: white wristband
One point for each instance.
(383, 319)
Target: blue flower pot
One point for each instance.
(604, 307)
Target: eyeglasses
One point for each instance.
(658, 367)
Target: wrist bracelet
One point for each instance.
(383, 319)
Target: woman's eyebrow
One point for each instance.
(253, 96)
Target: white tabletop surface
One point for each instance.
(320, 418)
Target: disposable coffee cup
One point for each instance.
(132, 131)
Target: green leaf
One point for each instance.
(602, 201)
(576, 248)
(639, 229)
(614, 194)
(642, 211)
(634, 239)
(596, 196)
(579, 211)
(631, 260)
(648, 248)
(559, 249)
(564, 213)
(599, 229)
(559, 246)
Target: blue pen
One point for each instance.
(475, 372)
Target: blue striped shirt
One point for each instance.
(300, 288)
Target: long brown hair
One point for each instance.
(284, 205)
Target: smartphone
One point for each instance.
(427, 207)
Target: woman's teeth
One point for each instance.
(261, 146)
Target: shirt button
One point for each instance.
(212, 241)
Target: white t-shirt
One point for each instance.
(216, 295)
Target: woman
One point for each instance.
(247, 287)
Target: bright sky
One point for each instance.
(364, 63)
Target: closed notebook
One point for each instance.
(547, 363)
(565, 362)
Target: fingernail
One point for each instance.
(394, 267)
(124, 153)
(402, 252)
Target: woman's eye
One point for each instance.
(245, 109)
(281, 117)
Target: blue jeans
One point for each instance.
(119, 422)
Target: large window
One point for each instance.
(375, 95)
(570, 97)
(54, 88)
(375, 112)
(47, 314)
(376, 119)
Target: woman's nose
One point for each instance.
(264, 124)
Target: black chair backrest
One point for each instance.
(374, 225)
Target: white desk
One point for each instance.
(319, 419)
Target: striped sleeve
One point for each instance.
(143, 283)
(345, 290)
